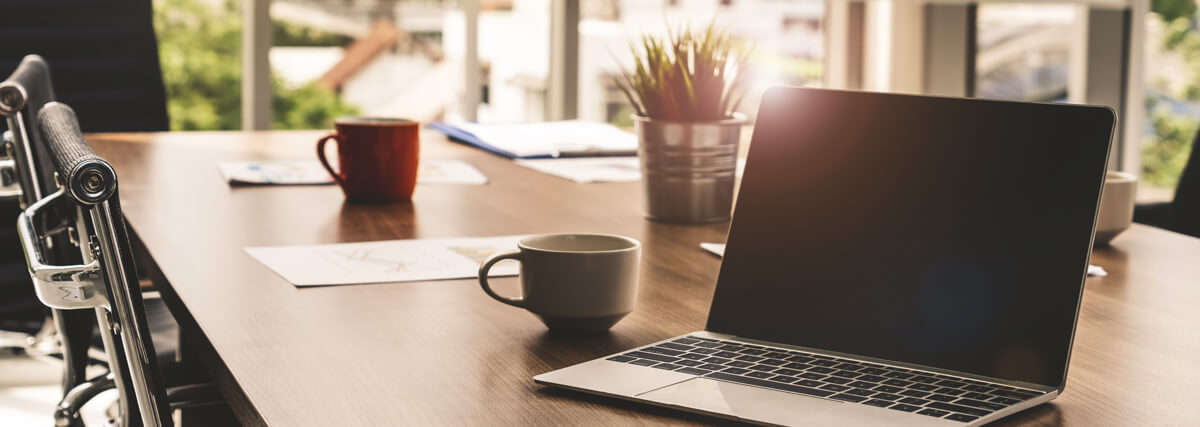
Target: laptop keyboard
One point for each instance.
(934, 395)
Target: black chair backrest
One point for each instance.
(1186, 206)
(105, 56)
(22, 97)
(89, 184)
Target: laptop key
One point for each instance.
(860, 392)
(693, 371)
(621, 358)
(923, 379)
(925, 387)
(811, 375)
(962, 417)
(897, 383)
(836, 380)
(730, 347)
(686, 341)
(1005, 400)
(888, 389)
(675, 346)
(711, 367)
(776, 355)
(959, 408)
(941, 397)
(949, 383)
(720, 360)
(749, 358)
(862, 384)
(914, 393)
(753, 351)
(823, 362)
(667, 366)
(693, 356)
(847, 374)
(794, 388)
(799, 359)
(903, 407)
(950, 391)
(871, 378)
(783, 378)
(1014, 394)
(878, 403)
(980, 404)
(848, 397)
(660, 350)
(914, 401)
(645, 362)
(978, 388)
(737, 371)
(849, 367)
(739, 364)
(821, 370)
(788, 372)
(809, 383)
(834, 387)
(933, 413)
(703, 350)
(976, 396)
(652, 356)
(773, 362)
(726, 354)
(686, 362)
(899, 375)
(888, 397)
(874, 371)
(760, 374)
(707, 344)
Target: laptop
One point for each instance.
(892, 259)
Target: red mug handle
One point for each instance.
(325, 162)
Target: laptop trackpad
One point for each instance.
(741, 401)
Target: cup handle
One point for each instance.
(337, 177)
(483, 275)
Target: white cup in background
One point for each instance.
(1116, 206)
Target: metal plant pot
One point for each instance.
(688, 169)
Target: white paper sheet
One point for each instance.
(386, 261)
(718, 249)
(310, 172)
(596, 169)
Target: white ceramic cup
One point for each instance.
(1116, 206)
(576, 283)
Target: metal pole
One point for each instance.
(256, 64)
(563, 95)
(472, 86)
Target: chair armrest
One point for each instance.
(193, 395)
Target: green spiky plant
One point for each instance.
(688, 76)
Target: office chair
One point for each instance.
(22, 96)
(1182, 214)
(105, 54)
(104, 279)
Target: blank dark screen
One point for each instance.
(951, 233)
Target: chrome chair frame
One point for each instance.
(104, 281)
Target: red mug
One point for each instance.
(377, 158)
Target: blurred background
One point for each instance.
(406, 58)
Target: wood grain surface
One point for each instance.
(438, 353)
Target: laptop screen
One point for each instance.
(951, 233)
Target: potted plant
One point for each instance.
(685, 88)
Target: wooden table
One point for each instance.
(438, 353)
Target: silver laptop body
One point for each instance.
(830, 297)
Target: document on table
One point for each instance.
(718, 249)
(596, 169)
(569, 138)
(310, 172)
(386, 261)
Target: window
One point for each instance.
(1172, 96)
